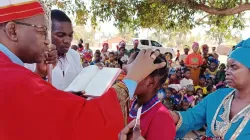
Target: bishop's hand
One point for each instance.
(131, 132)
(50, 57)
(143, 65)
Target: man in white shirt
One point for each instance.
(69, 63)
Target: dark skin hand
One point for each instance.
(131, 132)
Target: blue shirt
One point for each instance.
(11, 55)
(130, 84)
(162, 91)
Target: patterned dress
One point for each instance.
(214, 111)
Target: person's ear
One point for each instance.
(152, 81)
(11, 31)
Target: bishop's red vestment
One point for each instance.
(32, 109)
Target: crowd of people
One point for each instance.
(197, 75)
(154, 98)
(190, 78)
(104, 57)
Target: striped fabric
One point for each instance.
(19, 9)
(146, 107)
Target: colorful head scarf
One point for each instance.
(136, 41)
(122, 44)
(242, 53)
(104, 44)
(195, 45)
(186, 47)
(204, 47)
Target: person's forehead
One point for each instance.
(63, 26)
(231, 61)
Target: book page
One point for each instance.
(83, 79)
(102, 81)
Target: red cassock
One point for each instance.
(32, 109)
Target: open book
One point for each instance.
(94, 81)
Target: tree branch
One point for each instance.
(201, 19)
(225, 12)
(209, 9)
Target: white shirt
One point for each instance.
(124, 58)
(185, 82)
(103, 55)
(183, 57)
(65, 71)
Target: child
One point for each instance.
(189, 96)
(173, 79)
(182, 68)
(210, 81)
(210, 89)
(177, 96)
(178, 55)
(161, 94)
(199, 95)
(186, 80)
(123, 57)
(211, 71)
(97, 58)
(169, 59)
(202, 84)
(178, 74)
(221, 74)
(184, 105)
(87, 53)
(155, 120)
(111, 62)
(168, 101)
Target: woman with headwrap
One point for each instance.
(205, 55)
(122, 44)
(226, 112)
(105, 52)
(193, 62)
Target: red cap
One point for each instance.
(19, 9)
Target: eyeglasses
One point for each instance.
(35, 26)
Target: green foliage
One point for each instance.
(175, 16)
(80, 32)
(71, 7)
(157, 14)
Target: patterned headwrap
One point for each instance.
(136, 41)
(195, 45)
(186, 47)
(242, 53)
(204, 47)
(103, 44)
(120, 45)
